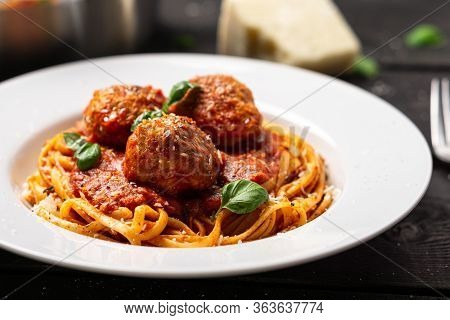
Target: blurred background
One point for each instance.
(39, 33)
(99, 28)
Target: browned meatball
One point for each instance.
(107, 189)
(111, 112)
(172, 154)
(244, 166)
(224, 108)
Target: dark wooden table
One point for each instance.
(420, 243)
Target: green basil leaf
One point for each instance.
(87, 156)
(177, 93)
(243, 196)
(86, 153)
(73, 140)
(366, 67)
(146, 116)
(424, 35)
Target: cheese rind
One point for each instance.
(308, 33)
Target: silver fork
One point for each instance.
(440, 118)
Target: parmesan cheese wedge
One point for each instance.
(311, 34)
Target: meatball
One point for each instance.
(245, 166)
(111, 112)
(205, 204)
(171, 154)
(225, 109)
(107, 189)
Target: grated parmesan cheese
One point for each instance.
(335, 191)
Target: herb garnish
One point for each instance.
(146, 116)
(86, 153)
(243, 196)
(365, 67)
(177, 93)
(73, 140)
(424, 35)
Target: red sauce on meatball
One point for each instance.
(224, 108)
(107, 188)
(168, 159)
(257, 165)
(245, 166)
(171, 154)
(111, 112)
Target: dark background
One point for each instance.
(420, 243)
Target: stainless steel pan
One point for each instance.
(94, 27)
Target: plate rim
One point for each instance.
(242, 270)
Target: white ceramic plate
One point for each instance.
(375, 155)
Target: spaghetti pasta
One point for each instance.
(292, 203)
(185, 157)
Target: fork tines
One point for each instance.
(440, 117)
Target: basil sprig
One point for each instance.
(73, 140)
(243, 196)
(147, 115)
(424, 35)
(87, 156)
(366, 67)
(177, 93)
(86, 153)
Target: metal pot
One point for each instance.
(94, 27)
